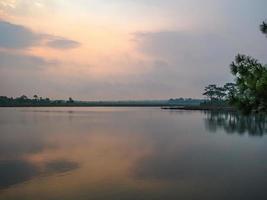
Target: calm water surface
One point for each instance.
(131, 154)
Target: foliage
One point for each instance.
(70, 100)
(251, 81)
(24, 100)
(230, 91)
(210, 91)
(184, 101)
(263, 28)
(219, 94)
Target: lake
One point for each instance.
(131, 154)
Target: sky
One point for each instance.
(124, 49)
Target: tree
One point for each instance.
(250, 92)
(35, 97)
(214, 93)
(230, 91)
(4, 99)
(263, 28)
(210, 92)
(251, 82)
(23, 97)
(70, 100)
(219, 93)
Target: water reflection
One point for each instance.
(59, 166)
(125, 153)
(233, 122)
(13, 172)
(16, 171)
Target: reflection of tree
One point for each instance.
(231, 122)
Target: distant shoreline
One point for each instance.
(200, 107)
(24, 101)
(92, 104)
(159, 105)
(107, 105)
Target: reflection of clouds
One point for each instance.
(106, 160)
(14, 144)
(126, 153)
(21, 139)
(13, 172)
(60, 166)
(22, 136)
(106, 149)
(16, 171)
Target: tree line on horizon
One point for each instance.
(249, 91)
(35, 100)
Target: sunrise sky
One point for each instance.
(124, 49)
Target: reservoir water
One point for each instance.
(131, 154)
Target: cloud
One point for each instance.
(194, 56)
(191, 58)
(191, 50)
(177, 45)
(62, 43)
(22, 61)
(15, 36)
